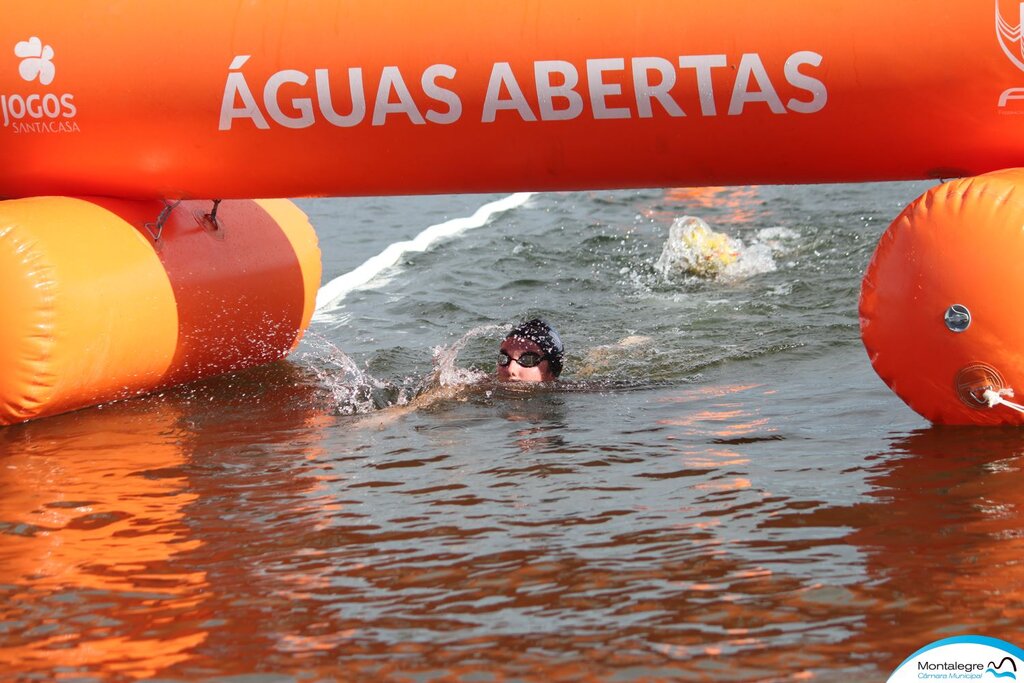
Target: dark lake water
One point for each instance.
(737, 497)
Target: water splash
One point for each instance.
(447, 373)
(694, 250)
(778, 237)
(353, 391)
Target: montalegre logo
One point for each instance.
(962, 658)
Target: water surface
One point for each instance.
(740, 498)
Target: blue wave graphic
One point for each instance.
(1000, 674)
(1006, 647)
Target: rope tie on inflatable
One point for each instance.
(212, 216)
(161, 220)
(995, 398)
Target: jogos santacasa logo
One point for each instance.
(33, 111)
(963, 658)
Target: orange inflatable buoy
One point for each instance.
(939, 302)
(106, 299)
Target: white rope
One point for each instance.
(331, 294)
(995, 398)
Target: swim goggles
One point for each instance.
(528, 359)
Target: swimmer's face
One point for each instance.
(515, 347)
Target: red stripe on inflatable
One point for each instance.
(238, 288)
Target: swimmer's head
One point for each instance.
(531, 352)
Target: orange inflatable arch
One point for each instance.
(150, 104)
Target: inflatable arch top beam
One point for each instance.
(143, 102)
(345, 97)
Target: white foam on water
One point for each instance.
(447, 373)
(778, 234)
(332, 293)
(693, 250)
(352, 389)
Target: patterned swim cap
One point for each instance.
(545, 336)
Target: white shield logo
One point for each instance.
(1010, 35)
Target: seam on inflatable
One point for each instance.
(307, 259)
(37, 381)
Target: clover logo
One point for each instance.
(36, 60)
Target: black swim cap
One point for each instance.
(546, 338)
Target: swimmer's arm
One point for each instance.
(383, 418)
(600, 358)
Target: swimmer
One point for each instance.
(693, 248)
(531, 352)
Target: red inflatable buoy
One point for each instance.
(939, 302)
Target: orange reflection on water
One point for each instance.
(954, 525)
(281, 558)
(707, 393)
(719, 414)
(98, 503)
(123, 656)
(729, 419)
(134, 529)
(713, 458)
(735, 484)
(940, 534)
(729, 204)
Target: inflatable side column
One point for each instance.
(103, 301)
(941, 302)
